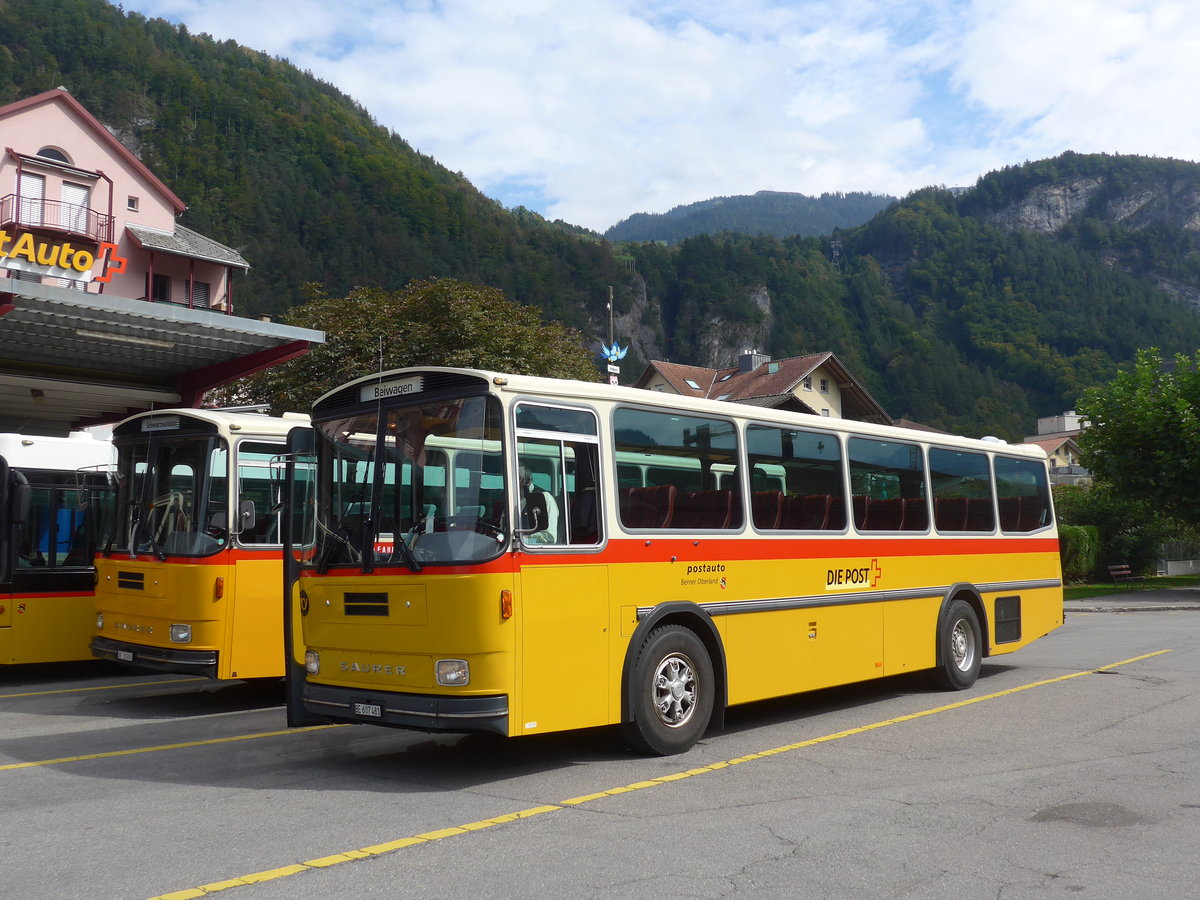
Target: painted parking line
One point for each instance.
(414, 840)
(184, 745)
(103, 687)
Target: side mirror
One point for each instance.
(20, 499)
(301, 439)
(245, 514)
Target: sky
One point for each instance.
(593, 110)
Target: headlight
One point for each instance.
(312, 662)
(453, 672)
(181, 634)
(99, 621)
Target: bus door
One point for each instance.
(564, 678)
(7, 516)
(255, 612)
(294, 478)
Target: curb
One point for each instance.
(1190, 607)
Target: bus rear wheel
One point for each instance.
(960, 647)
(673, 690)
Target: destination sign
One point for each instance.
(399, 387)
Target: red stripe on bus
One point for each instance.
(657, 550)
(220, 558)
(47, 593)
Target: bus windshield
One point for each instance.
(411, 486)
(170, 497)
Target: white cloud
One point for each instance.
(595, 109)
(1110, 76)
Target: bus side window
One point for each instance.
(583, 490)
(887, 479)
(796, 477)
(558, 461)
(257, 522)
(962, 490)
(690, 467)
(1022, 494)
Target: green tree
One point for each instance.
(1144, 433)
(1130, 531)
(434, 322)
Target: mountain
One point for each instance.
(974, 311)
(767, 212)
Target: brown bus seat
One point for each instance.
(647, 507)
(809, 512)
(767, 508)
(703, 509)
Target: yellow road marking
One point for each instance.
(181, 746)
(399, 844)
(103, 687)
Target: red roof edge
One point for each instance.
(194, 384)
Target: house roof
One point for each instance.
(1049, 435)
(680, 377)
(917, 426)
(771, 384)
(185, 242)
(779, 401)
(60, 96)
(1053, 443)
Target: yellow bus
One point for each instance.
(46, 573)
(478, 552)
(188, 568)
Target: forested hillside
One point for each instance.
(776, 213)
(955, 318)
(975, 312)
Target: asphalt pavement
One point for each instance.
(1138, 601)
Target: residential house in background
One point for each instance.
(1056, 435)
(818, 384)
(79, 210)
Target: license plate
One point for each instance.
(125, 656)
(374, 710)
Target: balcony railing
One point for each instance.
(55, 215)
(1068, 470)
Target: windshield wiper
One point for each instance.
(331, 540)
(410, 558)
(134, 530)
(155, 547)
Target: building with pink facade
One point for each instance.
(74, 195)
(109, 306)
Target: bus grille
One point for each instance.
(366, 604)
(1008, 619)
(134, 581)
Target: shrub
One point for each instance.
(1079, 546)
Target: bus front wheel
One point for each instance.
(672, 692)
(960, 646)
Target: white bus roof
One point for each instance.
(79, 450)
(227, 423)
(588, 391)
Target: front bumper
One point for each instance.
(156, 659)
(420, 712)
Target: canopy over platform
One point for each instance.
(70, 359)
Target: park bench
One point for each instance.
(1122, 572)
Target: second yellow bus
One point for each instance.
(189, 568)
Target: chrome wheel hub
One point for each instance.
(675, 690)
